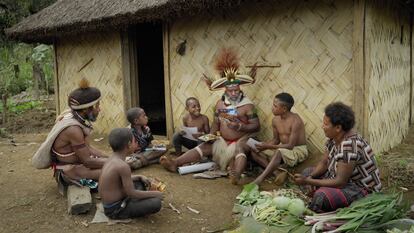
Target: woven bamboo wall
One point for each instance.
(388, 61)
(312, 40)
(103, 72)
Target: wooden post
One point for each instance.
(129, 69)
(4, 102)
(360, 77)
(56, 78)
(410, 121)
(167, 86)
(36, 79)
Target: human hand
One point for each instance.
(158, 194)
(234, 125)
(196, 135)
(182, 132)
(300, 179)
(263, 146)
(146, 181)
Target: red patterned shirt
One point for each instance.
(355, 148)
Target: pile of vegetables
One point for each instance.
(272, 209)
(369, 213)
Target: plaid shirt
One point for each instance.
(355, 148)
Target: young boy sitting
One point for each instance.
(142, 134)
(123, 196)
(289, 141)
(192, 119)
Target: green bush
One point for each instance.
(22, 107)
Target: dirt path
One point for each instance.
(30, 202)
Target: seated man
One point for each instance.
(348, 170)
(66, 148)
(235, 119)
(124, 196)
(142, 133)
(289, 141)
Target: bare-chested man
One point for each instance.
(66, 148)
(192, 119)
(124, 196)
(289, 141)
(235, 118)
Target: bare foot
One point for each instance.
(257, 181)
(280, 178)
(177, 154)
(245, 180)
(168, 164)
(234, 177)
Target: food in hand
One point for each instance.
(208, 137)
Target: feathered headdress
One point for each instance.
(84, 96)
(227, 65)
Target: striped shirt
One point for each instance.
(143, 138)
(355, 148)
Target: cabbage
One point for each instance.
(296, 207)
(281, 202)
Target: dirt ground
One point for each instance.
(30, 201)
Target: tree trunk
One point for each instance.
(4, 102)
(37, 77)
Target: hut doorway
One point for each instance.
(151, 94)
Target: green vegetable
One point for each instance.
(249, 195)
(281, 202)
(369, 213)
(296, 207)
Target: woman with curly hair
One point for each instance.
(348, 170)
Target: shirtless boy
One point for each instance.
(123, 196)
(192, 119)
(289, 142)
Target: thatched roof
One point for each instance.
(68, 17)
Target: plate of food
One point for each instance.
(208, 137)
(160, 143)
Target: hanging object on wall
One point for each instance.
(181, 47)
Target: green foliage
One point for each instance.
(17, 59)
(16, 66)
(21, 107)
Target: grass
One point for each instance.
(21, 107)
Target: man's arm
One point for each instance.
(271, 144)
(81, 149)
(344, 172)
(96, 152)
(185, 120)
(206, 124)
(253, 124)
(128, 185)
(216, 121)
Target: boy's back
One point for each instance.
(124, 196)
(110, 182)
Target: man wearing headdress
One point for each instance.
(235, 120)
(66, 149)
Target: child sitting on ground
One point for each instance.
(124, 196)
(142, 134)
(192, 119)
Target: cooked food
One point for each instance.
(208, 137)
(160, 143)
(229, 117)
